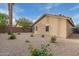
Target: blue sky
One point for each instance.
(32, 11)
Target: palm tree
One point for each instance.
(10, 7)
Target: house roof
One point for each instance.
(58, 16)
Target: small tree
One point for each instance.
(23, 22)
(76, 29)
(61, 15)
(77, 26)
(3, 18)
(3, 23)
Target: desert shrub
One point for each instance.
(40, 52)
(31, 35)
(43, 36)
(19, 33)
(27, 41)
(53, 39)
(12, 36)
(9, 33)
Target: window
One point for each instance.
(47, 28)
(36, 28)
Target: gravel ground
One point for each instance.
(18, 47)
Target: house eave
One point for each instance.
(68, 18)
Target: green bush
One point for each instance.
(40, 52)
(53, 39)
(12, 36)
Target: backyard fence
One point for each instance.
(3, 30)
(16, 29)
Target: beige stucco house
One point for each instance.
(58, 25)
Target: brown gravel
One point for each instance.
(18, 47)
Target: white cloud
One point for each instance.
(51, 5)
(17, 9)
(16, 12)
(3, 11)
(75, 7)
(3, 8)
(34, 21)
(76, 18)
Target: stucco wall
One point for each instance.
(69, 28)
(57, 26)
(61, 28)
(53, 26)
(48, 20)
(41, 26)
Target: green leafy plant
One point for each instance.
(53, 39)
(12, 36)
(40, 52)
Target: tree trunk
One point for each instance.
(10, 16)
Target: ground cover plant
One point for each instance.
(12, 36)
(40, 51)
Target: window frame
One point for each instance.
(36, 27)
(47, 28)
